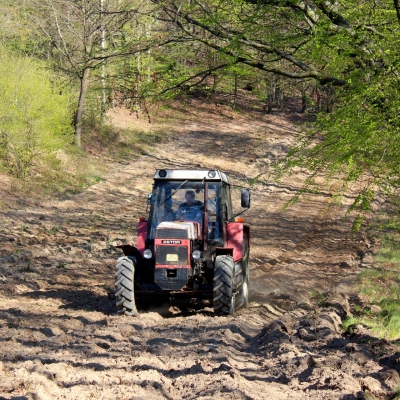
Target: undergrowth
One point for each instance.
(320, 298)
(71, 171)
(108, 141)
(379, 291)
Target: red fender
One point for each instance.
(235, 235)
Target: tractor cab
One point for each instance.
(191, 196)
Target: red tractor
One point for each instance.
(190, 245)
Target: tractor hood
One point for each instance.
(178, 230)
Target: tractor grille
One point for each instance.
(172, 255)
(172, 233)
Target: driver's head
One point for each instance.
(190, 197)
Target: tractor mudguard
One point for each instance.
(141, 236)
(235, 236)
(130, 251)
(224, 251)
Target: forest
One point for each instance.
(65, 63)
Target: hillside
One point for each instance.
(61, 336)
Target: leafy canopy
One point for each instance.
(352, 46)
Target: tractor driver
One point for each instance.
(191, 209)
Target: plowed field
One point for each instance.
(60, 336)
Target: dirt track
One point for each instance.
(60, 336)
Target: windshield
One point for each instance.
(184, 201)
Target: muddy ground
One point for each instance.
(60, 337)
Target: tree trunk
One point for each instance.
(81, 106)
(267, 107)
(319, 101)
(279, 98)
(397, 7)
(235, 91)
(103, 70)
(304, 100)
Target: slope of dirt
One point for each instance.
(60, 335)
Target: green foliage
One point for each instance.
(359, 139)
(15, 30)
(35, 119)
(319, 297)
(379, 290)
(351, 48)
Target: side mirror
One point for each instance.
(245, 198)
(149, 197)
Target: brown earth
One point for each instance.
(60, 337)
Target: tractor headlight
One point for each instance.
(147, 254)
(196, 254)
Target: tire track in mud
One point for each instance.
(61, 337)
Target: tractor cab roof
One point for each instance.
(191, 174)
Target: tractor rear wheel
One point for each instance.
(246, 270)
(124, 287)
(223, 286)
(239, 286)
(242, 277)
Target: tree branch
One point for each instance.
(327, 8)
(308, 71)
(66, 52)
(204, 74)
(140, 50)
(297, 5)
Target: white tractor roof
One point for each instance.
(190, 227)
(191, 174)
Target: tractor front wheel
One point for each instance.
(223, 285)
(124, 287)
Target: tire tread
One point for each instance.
(124, 287)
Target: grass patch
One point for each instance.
(379, 292)
(135, 142)
(69, 172)
(113, 144)
(320, 298)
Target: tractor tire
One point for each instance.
(246, 270)
(124, 287)
(242, 278)
(223, 286)
(239, 286)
